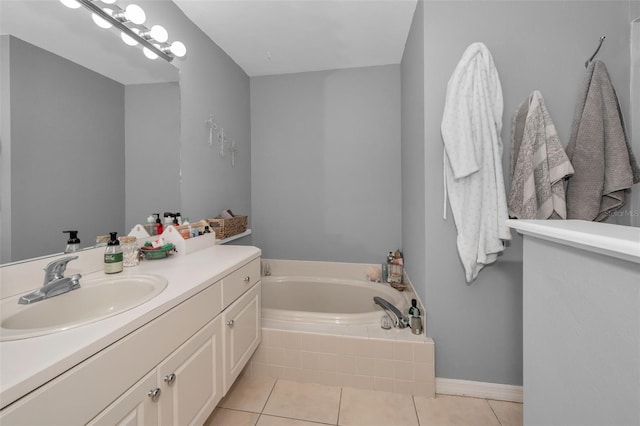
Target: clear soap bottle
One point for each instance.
(73, 243)
(113, 255)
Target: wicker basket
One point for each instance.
(225, 228)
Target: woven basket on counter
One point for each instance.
(225, 228)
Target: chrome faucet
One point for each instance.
(55, 283)
(399, 320)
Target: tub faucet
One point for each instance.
(55, 283)
(399, 320)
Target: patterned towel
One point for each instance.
(599, 150)
(539, 164)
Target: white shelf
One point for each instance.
(609, 239)
(234, 237)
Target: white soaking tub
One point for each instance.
(323, 300)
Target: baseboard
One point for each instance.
(486, 390)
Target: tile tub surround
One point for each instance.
(393, 361)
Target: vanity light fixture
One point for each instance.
(130, 22)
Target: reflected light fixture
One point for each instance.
(130, 22)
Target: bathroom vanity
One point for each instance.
(167, 361)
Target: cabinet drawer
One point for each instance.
(236, 283)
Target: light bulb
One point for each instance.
(72, 4)
(178, 49)
(128, 39)
(135, 14)
(158, 33)
(101, 22)
(148, 53)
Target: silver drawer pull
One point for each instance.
(170, 378)
(247, 279)
(230, 323)
(154, 394)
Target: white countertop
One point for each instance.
(618, 241)
(29, 363)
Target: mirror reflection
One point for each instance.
(90, 131)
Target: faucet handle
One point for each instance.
(55, 270)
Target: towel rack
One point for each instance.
(586, 64)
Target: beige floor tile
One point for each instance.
(304, 401)
(283, 421)
(360, 407)
(225, 417)
(447, 410)
(509, 413)
(248, 393)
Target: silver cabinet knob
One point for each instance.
(154, 394)
(170, 378)
(230, 323)
(247, 279)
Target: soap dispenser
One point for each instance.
(73, 243)
(159, 226)
(113, 255)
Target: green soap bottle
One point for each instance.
(113, 255)
(414, 311)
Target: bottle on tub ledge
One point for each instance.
(415, 319)
(113, 255)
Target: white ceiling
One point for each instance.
(262, 36)
(288, 36)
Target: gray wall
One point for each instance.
(536, 45)
(210, 83)
(152, 147)
(413, 146)
(571, 376)
(326, 164)
(635, 105)
(67, 139)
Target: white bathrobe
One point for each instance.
(471, 126)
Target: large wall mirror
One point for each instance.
(90, 130)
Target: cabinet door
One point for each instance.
(136, 407)
(242, 333)
(191, 378)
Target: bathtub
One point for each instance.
(326, 330)
(325, 300)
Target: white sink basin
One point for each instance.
(95, 300)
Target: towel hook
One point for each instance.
(586, 64)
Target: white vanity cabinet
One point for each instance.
(190, 379)
(242, 319)
(133, 408)
(182, 390)
(171, 371)
(242, 333)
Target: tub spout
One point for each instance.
(399, 320)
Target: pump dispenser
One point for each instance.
(159, 227)
(73, 243)
(414, 310)
(113, 255)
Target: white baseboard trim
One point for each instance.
(486, 390)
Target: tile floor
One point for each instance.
(275, 402)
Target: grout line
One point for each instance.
(415, 408)
(299, 420)
(493, 411)
(339, 406)
(270, 392)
